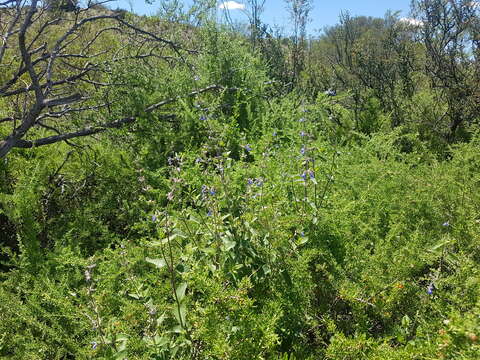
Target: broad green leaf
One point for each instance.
(180, 291)
(179, 313)
(159, 263)
(120, 355)
(228, 244)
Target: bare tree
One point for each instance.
(53, 66)
(450, 32)
(299, 11)
(253, 11)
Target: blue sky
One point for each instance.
(324, 13)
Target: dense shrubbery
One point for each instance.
(240, 224)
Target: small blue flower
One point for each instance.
(312, 174)
(209, 213)
(250, 182)
(204, 189)
(154, 218)
(303, 150)
(212, 192)
(203, 118)
(302, 133)
(304, 175)
(275, 133)
(196, 78)
(247, 148)
(301, 120)
(446, 224)
(430, 289)
(94, 345)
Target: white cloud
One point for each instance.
(411, 21)
(231, 5)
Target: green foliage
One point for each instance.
(240, 224)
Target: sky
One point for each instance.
(324, 12)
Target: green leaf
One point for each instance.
(440, 245)
(228, 244)
(159, 263)
(179, 313)
(120, 355)
(135, 296)
(160, 340)
(180, 291)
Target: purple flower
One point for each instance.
(196, 78)
(204, 189)
(209, 213)
(250, 182)
(247, 148)
(446, 224)
(94, 345)
(212, 192)
(301, 120)
(275, 133)
(430, 289)
(304, 175)
(312, 174)
(203, 118)
(303, 150)
(154, 218)
(302, 133)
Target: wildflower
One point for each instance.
(330, 92)
(154, 218)
(312, 174)
(94, 345)
(204, 189)
(247, 148)
(88, 275)
(446, 224)
(302, 133)
(304, 175)
(203, 118)
(212, 192)
(209, 213)
(430, 289)
(275, 133)
(250, 182)
(170, 196)
(152, 311)
(303, 150)
(196, 78)
(301, 120)
(259, 182)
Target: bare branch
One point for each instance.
(111, 125)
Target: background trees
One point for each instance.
(449, 32)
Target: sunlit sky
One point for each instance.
(324, 12)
